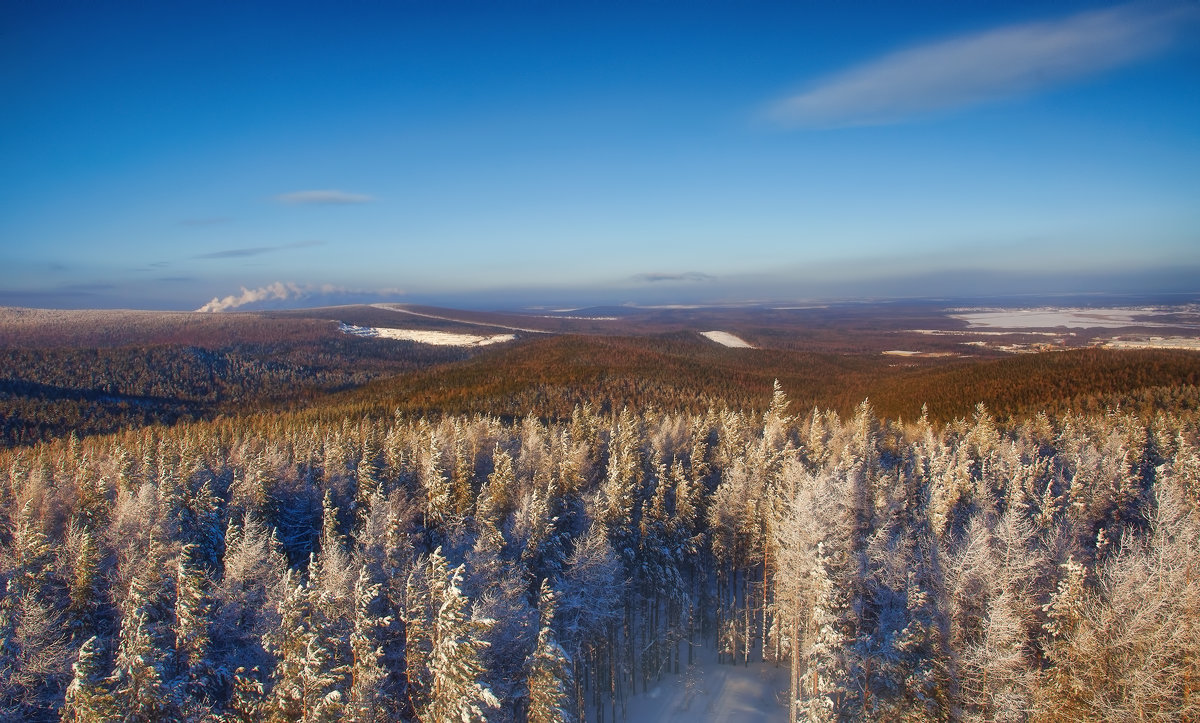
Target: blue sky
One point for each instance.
(179, 155)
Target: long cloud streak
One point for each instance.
(969, 70)
(257, 250)
(324, 197)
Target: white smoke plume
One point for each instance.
(288, 290)
(277, 290)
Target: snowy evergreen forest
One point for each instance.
(287, 567)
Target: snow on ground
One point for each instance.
(956, 332)
(400, 309)
(906, 352)
(437, 338)
(1155, 342)
(1048, 318)
(711, 692)
(724, 338)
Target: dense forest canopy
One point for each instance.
(51, 387)
(290, 566)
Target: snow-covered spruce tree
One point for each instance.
(616, 507)
(621, 484)
(326, 604)
(590, 593)
(193, 618)
(455, 668)
(288, 643)
(88, 699)
(85, 589)
(201, 527)
(735, 530)
(1126, 635)
(923, 660)
(367, 672)
(827, 665)
(439, 499)
(368, 475)
(247, 699)
(794, 564)
(140, 686)
(462, 471)
(549, 671)
(419, 611)
(997, 666)
(501, 595)
(35, 653)
(657, 578)
(247, 597)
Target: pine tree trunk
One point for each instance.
(794, 678)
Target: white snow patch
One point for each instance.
(400, 309)
(1155, 342)
(955, 332)
(1051, 317)
(713, 692)
(421, 336)
(724, 338)
(902, 352)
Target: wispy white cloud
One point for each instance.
(257, 250)
(291, 291)
(655, 277)
(969, 70)
(213, 221)
(329, 196)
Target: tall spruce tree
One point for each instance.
(549, 670)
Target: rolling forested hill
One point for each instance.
(89, 372)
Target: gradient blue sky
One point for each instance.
(162, 155)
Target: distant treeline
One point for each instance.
(50, 392)
(47, 393)
(548, 377)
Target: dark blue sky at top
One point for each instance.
(166, 154)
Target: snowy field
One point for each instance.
(401, 310)
(922, 354)
(724, 338)
(714, 693)
(1155, 342)
(957, 332)
(436, 338)
(1049, 318)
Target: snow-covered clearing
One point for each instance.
(1048, 318)
(421, 336)
(711, 692)
(724, 338)
(1155, 342)
(402, 310)
(957, 332)
(906, 352)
